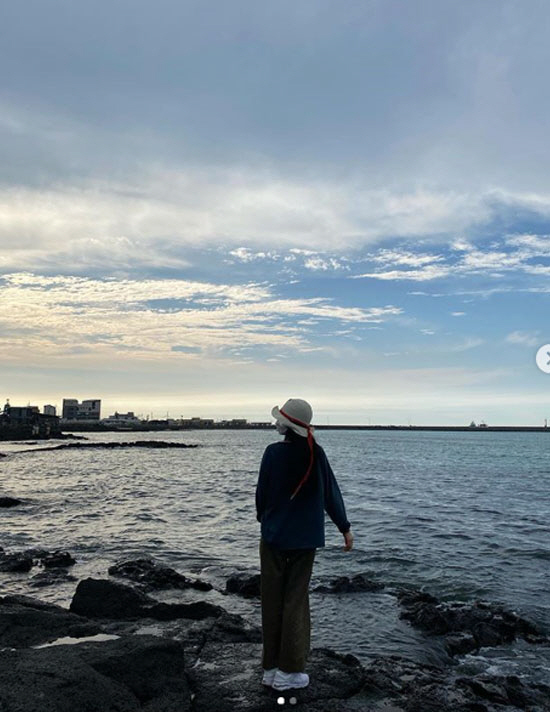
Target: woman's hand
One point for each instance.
(348, 537)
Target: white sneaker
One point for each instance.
(290, 680)
(269, 676)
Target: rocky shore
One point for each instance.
(118, 648)
(152, 444)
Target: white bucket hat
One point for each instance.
(296, 414)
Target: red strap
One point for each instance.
(310, 442)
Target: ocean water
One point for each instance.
(462, 515)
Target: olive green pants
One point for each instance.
(286, 623)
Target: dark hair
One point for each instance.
(294, 437)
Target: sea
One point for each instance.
(461, 515)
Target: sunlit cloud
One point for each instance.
(407, 258)
(160, 319)
(416, 275)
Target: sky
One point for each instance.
(208, 207)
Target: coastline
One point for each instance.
(117, 647)
(68, 433)
(221, 649)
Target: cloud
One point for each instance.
(157, 217)
(205, 206)
(468, 343)
(507, 255)
(324, 264)
(479, 260)
(533, 244)
(461, 245)
(244, 254)
(416, 275)
(524, 338)
(64, 317)
(411, 259)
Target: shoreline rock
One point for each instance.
(9, 501)
(102, 598)
(209, 663)
(154, 576)
(248, 585)
(23, 561)
(26, 621)
(154, 444)
(467, 626)
(245, 585)
(359, 583)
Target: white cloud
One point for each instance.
(324, 264)
(244, 254)
(68, 317)
(478, 260)
(537, 269)
(471, 342)
(409, 259)
(149, 216)
(416, 275)
(524, 338)
(461, 245)
(535, 244)
(492, 261)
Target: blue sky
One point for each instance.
(206, 208)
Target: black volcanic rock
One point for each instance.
(27, 621)
(126, 675)
(461, 643)
(233, 628)
(397, 684)
(17, 562)
(216, 667)
(170, 611)
(236, 669)
(356, 584)
(244, 585)
(155, 576)
(58, 558)
(36, 554)
(154, 444)
(102, 598)
(481, 624)
(9, 501)
(23, 561)
(151, 668)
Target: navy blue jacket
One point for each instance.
(297, 523)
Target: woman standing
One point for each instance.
(295, 487)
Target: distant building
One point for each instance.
(196, 422)
(50, 410)
(233, 423)
(87, 410)
(21, 415)
(27, 421)
(121, 419)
